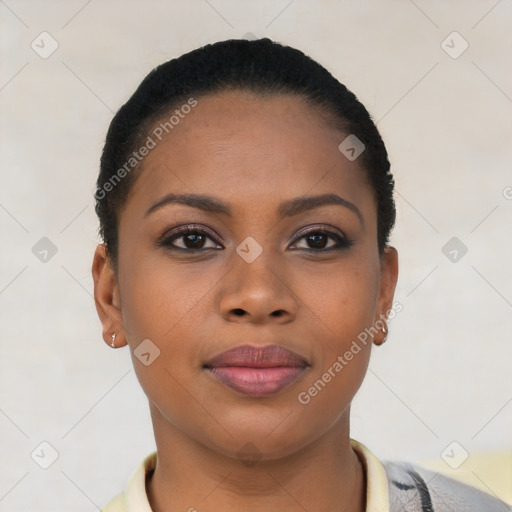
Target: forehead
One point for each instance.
(242, 146)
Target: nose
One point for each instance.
(257, 292)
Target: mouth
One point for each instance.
(257, 371)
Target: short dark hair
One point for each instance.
(260, 66)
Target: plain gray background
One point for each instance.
(444, 374)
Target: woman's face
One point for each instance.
(252, 264)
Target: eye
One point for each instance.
(189, 238)
(321, 240)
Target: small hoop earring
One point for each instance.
(113, 340)
(385, 332)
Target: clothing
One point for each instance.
(390, 487)
(416, 489)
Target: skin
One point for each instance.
(252, 153)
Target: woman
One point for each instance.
(245, 204)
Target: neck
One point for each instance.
(325, 475)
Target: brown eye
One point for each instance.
(188, 239)
(193, 241)
(321, 240)
(317, 241)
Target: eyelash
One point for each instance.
(177, 233)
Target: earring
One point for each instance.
(384, 330)
(113, 340)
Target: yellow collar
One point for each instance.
(134, 498)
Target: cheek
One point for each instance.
(342, 305)
(159, 302)
(341, 299)
(158, 295)
(170, 303)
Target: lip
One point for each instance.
(257, 371)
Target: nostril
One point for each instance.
(278, 312)
(238, 312)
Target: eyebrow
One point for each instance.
(288, 208)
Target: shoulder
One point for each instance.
(134, 497)
(117, 504)
(413, 488)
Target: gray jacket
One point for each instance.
(415, 489)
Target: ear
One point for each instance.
(388, 279)
(107, 298)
